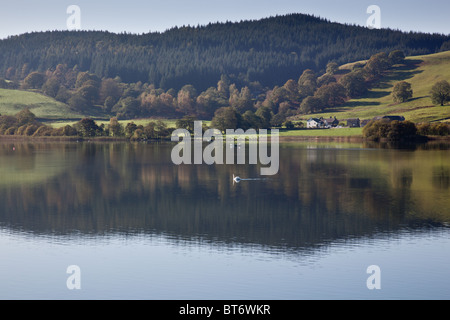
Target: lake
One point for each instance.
(139, 227)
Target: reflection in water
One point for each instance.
(441, 177)
(320, 194)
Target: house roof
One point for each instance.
(392, 118)
(400, 118)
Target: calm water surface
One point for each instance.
(140, 227)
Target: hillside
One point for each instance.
(422, 72)
(13, 101)
(44, 107)
(269, 51)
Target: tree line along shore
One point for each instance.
(25, 125)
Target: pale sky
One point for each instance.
(142, 16)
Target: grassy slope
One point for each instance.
(422, 72)
(344, 132)
(143, 122)
(12, 101)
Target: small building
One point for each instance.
(314, 123)
(353, 123)
(394, 118)
(330, 122)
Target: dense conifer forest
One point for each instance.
(269, 51)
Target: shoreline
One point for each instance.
(6, 138)
(322, 138)
(60, 139)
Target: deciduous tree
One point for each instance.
(332, 68)
(226, 118)
(354, 84)
(34, 80)
(331, 95)
(396, 57)
(311, 104)
(440, 92)
(402, 91)
(87, 128)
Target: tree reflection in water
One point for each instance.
(320, 194)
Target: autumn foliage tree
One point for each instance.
(331, 95)
(354, 84)
(311, 105)
(377, 65)
(34, 80)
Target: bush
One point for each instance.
(42, 131)
(401, 130)
(278, 120)
(375, 130)
(8, 121)
(69, 131)
(10, 131)
(88, 128)
(130, 128)
(56, 132)
(3, 84)
(424, 129)
(390, 130)
(440, 129)
(31, 129)
(25, 117)
(433, 129)
(21, 130)
(138, 134)
(289, 125)
(299, 124)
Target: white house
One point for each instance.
(314, 123)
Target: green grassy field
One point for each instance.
(169, 122)
(13, 101)
(342, 132)
(422, 72)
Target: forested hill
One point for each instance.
(269, 51)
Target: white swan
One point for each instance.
(236, 179)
